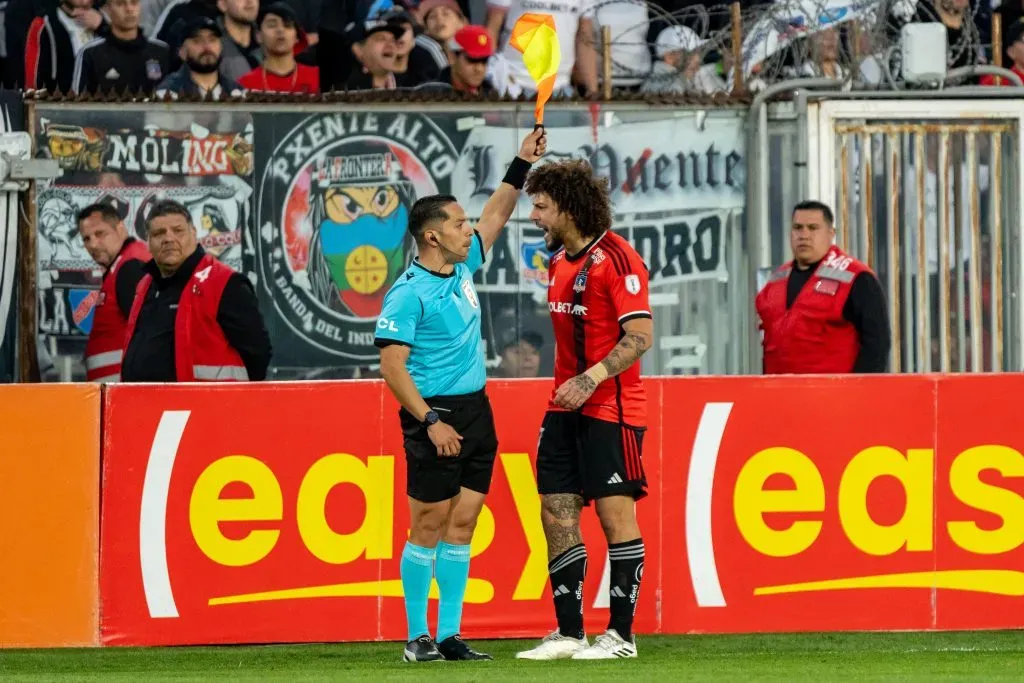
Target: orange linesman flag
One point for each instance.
(534, 35)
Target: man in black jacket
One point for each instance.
(53, 41)
(170, 25)
(18, 17)
(199, 75)
(124, 60)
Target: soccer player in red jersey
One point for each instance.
(592, 434)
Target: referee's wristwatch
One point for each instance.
(430, 419)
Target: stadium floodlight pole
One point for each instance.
(757, 183)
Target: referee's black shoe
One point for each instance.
(455, 648)
(422, 649)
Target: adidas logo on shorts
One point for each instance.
(615, 479)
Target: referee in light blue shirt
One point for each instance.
(432, 358)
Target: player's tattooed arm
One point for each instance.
(637, 336)
(575, 392)
(628, 351)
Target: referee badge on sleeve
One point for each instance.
(632, 284)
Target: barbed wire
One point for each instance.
(856, 41)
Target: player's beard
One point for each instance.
(552, 242)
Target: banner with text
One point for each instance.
(678, 247)
(313, 205)
(902, 510)
(332, 213)
(335, 189)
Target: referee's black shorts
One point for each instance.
(590, 457)
(432, 478)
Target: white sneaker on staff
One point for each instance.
(555, 646)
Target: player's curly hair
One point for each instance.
(575, 189)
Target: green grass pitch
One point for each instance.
(978, 656)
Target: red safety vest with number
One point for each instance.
(811, 336)
(201, 351)
(105, 347)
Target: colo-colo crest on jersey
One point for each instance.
(333, 214)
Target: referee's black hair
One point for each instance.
(426, 210)
(815, 205)
(108, 213)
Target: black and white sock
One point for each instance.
(567, 572)
(627, 567)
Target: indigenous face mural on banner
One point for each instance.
(132, 160)
(333, 212)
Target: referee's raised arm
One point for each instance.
(502, 203)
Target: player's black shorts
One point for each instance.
(431, 478)
(590, 457)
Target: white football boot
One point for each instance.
(608, 645)
(556, 646)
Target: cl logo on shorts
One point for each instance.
(385, 324)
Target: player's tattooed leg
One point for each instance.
(560, 514)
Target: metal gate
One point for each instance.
(928, 193)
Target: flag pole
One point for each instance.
(606, 62)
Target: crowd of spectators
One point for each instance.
(217, 47)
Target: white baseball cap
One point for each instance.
(675, 38)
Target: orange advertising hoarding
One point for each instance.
(49, 507)
(277, 512)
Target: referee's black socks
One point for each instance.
(627, 567)
(567, 572)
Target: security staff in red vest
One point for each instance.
(825, 311)
(194, 318)
(122, 257)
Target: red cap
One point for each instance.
(475, 41)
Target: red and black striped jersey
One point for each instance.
(590, 296)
